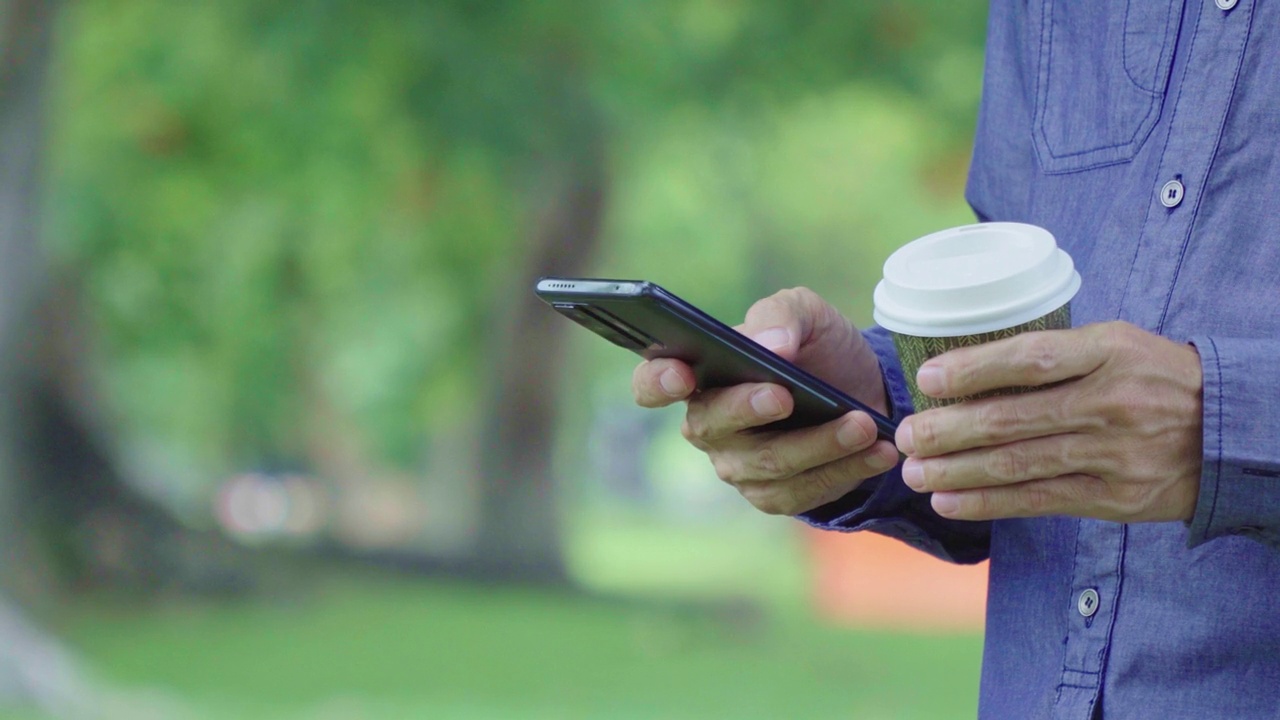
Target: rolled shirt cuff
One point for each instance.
(1240, 475)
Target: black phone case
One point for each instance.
(653, 323)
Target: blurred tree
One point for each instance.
(24, 52)
(65, 503)
(297, 226)
(519, 533)
(33, 668)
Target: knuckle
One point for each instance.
(698, 427)
(835, 479)
(688, 431)
(1103, 332)
(769, 463)
(636, 383)
(981, 504)
(639, 389)
(1121, 341)
(1069, 457)
(792, 500)
(1127, 408)
(1038, 355)
(792, 293)
(1118, 332)
(996, 418)
(788, 301)
(960, 372)
(1125, 414)
(647, 386)
(1008, 465)
(937, 475)
(825, 479)
(765, 498)
(924, 435)
(766, 306)
(726, 470)
(1132, 500)
(802, 294)
(1084, 495)
(1037, 500)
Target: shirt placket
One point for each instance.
(1095, 594)
(1215, 46)
(1215, 50)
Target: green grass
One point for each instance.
(394, 648)
(689, 621)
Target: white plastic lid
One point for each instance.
(974, 279)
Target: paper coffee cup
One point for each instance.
(970, 285)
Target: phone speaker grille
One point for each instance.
(561, 286)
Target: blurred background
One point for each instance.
(284, 432)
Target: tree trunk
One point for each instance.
(67, 512)
(25, 29)
(519, 526)
(33, 667)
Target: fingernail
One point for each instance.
(945, 503)
(672, 384)
(765, 404)
(929, 379)
(774, 338)
(851, 435)
(881, 460)
(904, 440)
(913, 475)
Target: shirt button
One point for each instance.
(1171, 194)
(1088, 602)
(1225, 5)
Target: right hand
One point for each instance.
(788, 472)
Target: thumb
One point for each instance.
(785, 321)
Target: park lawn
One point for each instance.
(373, 646)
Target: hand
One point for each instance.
(783, 473)
(1119, 438)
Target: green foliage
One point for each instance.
(292, 218)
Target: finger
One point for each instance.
(993, 421)
(821, 485)
(785, 320)
(718, 413)
(658, 383)
(1074, 495)
(783, 455)
(1003, 465)
(1029, 359)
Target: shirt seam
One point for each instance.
(1066, 642)
(1103, 651)
(1204, 179)
(1173, 117)
(1124, 49)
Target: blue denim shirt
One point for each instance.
(1146, 136)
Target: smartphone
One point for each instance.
(653, 323)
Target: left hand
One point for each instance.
(1118, 438)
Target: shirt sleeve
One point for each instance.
(886, 506)
(1240, 477)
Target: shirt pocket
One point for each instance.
(1102, 75)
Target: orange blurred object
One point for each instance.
(867, 580)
